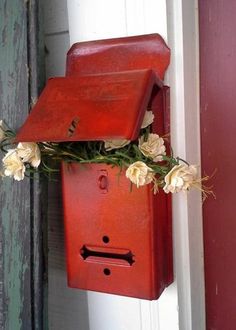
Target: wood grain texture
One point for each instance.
(55, 25)
(55, 17)
(20, 226)
(57, 45)
(15, 196)
(218, 80)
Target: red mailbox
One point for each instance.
(117, 241)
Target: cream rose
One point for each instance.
(13, 165)
(115, 144)
(139, 173)
(153, 148)
(148, 119)
(181, 177)
(2, 131)
(29, 152)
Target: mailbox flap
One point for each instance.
(92, 107)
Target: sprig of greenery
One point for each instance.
(95, 152)
(53, 153)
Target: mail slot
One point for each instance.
(118, 237)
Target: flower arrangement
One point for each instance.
(145, 160)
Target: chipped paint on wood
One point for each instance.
(15, 212)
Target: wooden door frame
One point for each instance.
(183, 36)
(217, 72)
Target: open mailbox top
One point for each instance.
(92, 107)
(105, 93)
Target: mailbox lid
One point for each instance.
(92, 107)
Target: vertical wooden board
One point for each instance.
(55, 17)
(218, 117)
(143, 18)
(38, 186)
(15, 196)
(55, 25)
(57, 46)
(93, 20)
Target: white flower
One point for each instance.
(2, 131)
(13, 165)
(29, 152)
(148, 119)
(153, 148)
(181, 177)
(115, 144)
(139, 173)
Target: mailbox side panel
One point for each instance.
(160, 105)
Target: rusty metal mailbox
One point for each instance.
(117, 240)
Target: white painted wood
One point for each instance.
(108, 312)
(187, 209)
(65, 303)
(56, 36)
(167, 309)
(146, 16)
(92, 20)
(56, 46)
(55, 16)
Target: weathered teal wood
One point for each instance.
(15, 196)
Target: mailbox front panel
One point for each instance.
(118, 241)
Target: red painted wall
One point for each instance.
(218, 131)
